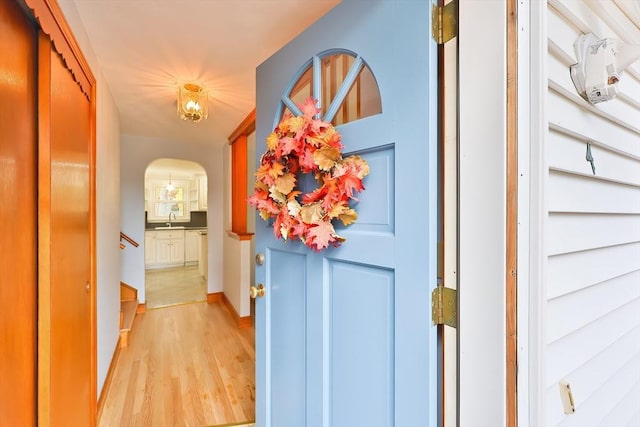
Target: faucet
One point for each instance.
(174, 218)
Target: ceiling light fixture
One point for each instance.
(192, 102)
(170, 186)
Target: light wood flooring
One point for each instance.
(186, 365)
(170, 286)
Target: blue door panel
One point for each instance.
(376, 210)
(361, 346)
(288, 342)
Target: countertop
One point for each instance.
(177, 227)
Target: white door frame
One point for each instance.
(482, 213)
(449, 207)
(532, 173)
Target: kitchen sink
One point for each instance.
(175, 227)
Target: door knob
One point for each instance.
(255, 292)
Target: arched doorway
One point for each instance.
(175, 233)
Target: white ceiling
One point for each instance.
(146, 48)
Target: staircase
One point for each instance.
(128, 310)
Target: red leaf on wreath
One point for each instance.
(321, 235)
(348, 183)
(282, 224)
(309, 108)
(314, 196)
(333, 194)
(286, 146)
(306, 161)
(299, 229)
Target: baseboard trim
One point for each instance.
(241, 322)
(107, 380)
(215, 297)
(142, 308)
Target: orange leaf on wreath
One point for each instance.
(326, 157)
(285, 183)
(272, 141)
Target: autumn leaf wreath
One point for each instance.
(303, 144)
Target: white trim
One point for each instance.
(482, 213)
(525, 34)
(450, 238)
(531, 258)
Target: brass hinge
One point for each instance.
(444, 306)
(444, 22)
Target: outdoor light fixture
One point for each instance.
(600, 63)
(192, 102)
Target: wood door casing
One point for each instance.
(18, 217)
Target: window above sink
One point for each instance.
(163, 201)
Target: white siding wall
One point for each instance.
(592, 252)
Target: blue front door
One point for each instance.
(344, 336)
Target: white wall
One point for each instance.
(107, 203)
(586, 324)
(136, 154)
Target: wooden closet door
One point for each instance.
(18, 221)
(65, 242)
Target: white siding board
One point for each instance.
(564, 114)
(584, 17)
(585, 194)
(630, 8)
(594, 142)
(635, 420)
(586, 380)
(591, 411)
(562, 34)
(622, 414)
(598, 301)
(583, 345)
(567, 153)
(578, 270)
(572, 233)
(615, 19)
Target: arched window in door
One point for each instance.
(341, 81)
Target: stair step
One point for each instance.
(128, 310)
(127, 292)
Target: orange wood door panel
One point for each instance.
(18, 221)
(70, 250)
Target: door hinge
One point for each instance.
(444, 22)
(444, 306)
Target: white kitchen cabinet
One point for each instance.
(202, 193)
(203, 264)
(169, 249)
(150, 250)
(191, 240)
